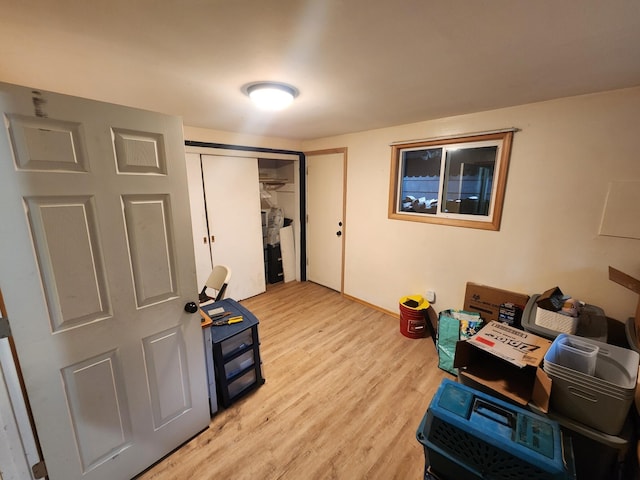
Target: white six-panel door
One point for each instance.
(96, 265)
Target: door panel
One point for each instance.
(139, 152)
(232, 191)
(98, 408)
(325, 225)
(44, 144)
(70, 259)
(97, 263)
(150, 247)
(169, 388)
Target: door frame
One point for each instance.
(344, 152)
(20, 454)
(229, 150)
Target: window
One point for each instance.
(454, 181)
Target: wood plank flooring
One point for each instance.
(345, 392)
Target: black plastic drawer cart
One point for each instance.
(237, 368)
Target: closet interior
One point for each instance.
(278, 208)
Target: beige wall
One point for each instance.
(562, 160)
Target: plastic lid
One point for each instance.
(414, 302)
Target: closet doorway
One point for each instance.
(231, 191)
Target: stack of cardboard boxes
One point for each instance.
(505, 361)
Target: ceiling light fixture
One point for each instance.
(271, 95)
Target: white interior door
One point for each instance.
(325, 222)
(232, 193)
(96, 265)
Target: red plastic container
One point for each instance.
(413, 319)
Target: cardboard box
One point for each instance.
(495, 304)
(632, 284)
(505, 362)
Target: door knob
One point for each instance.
(191, 307)
(339, 232)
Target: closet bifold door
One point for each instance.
(201, 239)
(232, 193)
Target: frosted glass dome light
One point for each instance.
(271, 95)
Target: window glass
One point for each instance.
(421, 180)
(469, 180)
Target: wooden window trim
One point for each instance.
(500, 182)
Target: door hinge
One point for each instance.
(39, 469)
(5, 329)
(307, 218)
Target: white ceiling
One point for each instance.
(359, 64)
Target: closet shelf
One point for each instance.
(273, 183)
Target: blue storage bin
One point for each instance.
(469, 434)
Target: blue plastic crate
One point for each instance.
(469, 434)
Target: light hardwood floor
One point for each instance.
(344, 395)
